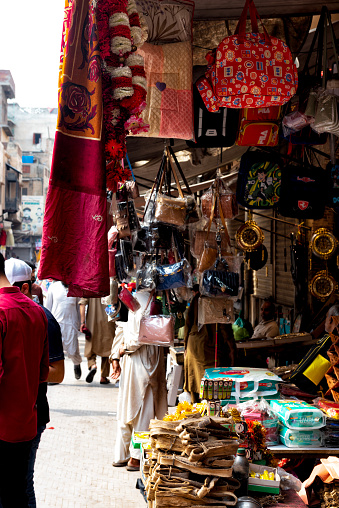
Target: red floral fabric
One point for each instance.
(74, 243)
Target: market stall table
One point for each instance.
(277, 345)
(303, 339)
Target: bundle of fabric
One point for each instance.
(190, 463)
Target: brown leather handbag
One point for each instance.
(210, 252)
(171, 210)
(208, 257)
(123, 224)
(227, 201)
(200, 238)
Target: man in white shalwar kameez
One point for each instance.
(142, 389)
(66, 311)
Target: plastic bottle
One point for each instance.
(241, 471)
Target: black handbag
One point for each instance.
(161, 236)
(127, 255)
(121, 273)
(128, 209)
(213, 130)
(142, 240)
(259, 180)
(145, 278)
(304, 191)
(171, 305)
(220, 282)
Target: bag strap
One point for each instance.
(222, 217)
(174, 174)
(168, 301)
(180, 170)
(321, 36)
(157, 182)
(216, 201)
(223, 262)
(130, 166)
(241, 26)
(149, 301)
(317, 36)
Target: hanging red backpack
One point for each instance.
(253, 70)
(259, 126)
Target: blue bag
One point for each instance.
(170, 276)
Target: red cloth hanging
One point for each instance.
(74, 243)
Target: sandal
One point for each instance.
(91, 375)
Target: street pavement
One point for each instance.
(74, 462)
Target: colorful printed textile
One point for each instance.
(259, 180)
(169, 110)
(254, 73)
(74, 244)
(249, 70)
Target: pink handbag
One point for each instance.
(156, 330)
(128, 299)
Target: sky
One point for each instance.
(30, 38)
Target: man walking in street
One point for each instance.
(100, 339)
(23, 366)
(19, 274)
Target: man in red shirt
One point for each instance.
(24, 364)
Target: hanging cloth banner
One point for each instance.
(74, 243)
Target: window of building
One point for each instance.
(26, 168)
(36, 138)
(24, 191)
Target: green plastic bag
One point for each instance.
(242, 329)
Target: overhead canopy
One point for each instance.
(216, 9)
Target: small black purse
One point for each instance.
(145, 277)
(220, 282)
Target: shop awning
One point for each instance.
(9, 166)
(222, 9)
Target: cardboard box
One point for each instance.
(257, 485)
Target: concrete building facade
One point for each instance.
(32, 131)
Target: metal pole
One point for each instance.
(278, 220)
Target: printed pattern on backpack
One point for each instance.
(253, 73)
(259, 180)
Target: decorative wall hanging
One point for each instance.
(249, 236)
(323, 243)
(123, 81)
(322, 286)
(169, 109)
